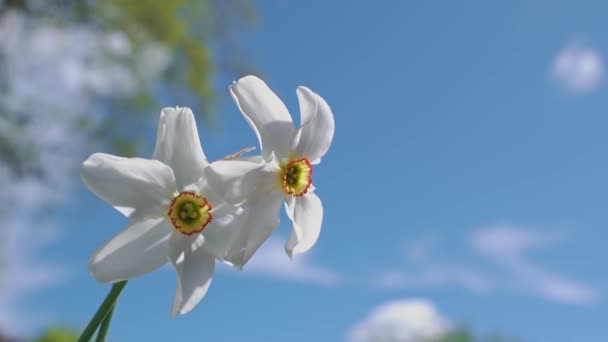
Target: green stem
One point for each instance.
(105, 326)
(102, 312)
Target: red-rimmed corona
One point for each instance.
(175, 216)
(295, 177)
(282, 174)
(190, 212)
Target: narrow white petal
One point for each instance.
(130, 184)
(178, 145)
(306, 213)
(265, 113)
(262, 218)
(313, 138)
(140, 248)
(224, 229)
(194, 268)
(237, 180)
(226, 222)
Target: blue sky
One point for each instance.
(468, 168)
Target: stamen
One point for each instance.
(239, 153)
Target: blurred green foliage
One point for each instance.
(200, 35)
(465, 335)
(187, 28)
(49, 335)
(57, 335)
(459, 335)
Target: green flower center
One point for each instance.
(190, 213)
(295, 177)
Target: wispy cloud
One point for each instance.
(422, 269)
(578, 69)
(271, 261)
(406, 320)
(436, 275)
(508, 246)
(505, 247)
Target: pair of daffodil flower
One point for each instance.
(187, 211)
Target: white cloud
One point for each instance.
(435, 275)
(507, 246)
(422, 270)
(408, 320)
(271, 261)
(509, 242)
(578, 69)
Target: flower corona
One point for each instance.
(189, 212)
(295, 177)
(168, 201)
(282, 173)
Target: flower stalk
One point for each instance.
(105, 326)
(104, 311)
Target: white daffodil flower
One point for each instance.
(174, 215)
(281, 174)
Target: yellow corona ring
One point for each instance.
(190, 213)
(295, 177)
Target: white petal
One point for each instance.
(261, 220)
(178, 145)
(316, 133)
(237, 180)
(306, 213)
(226, 222)
(194, 269)
(266, 114)
(224, 229)
(130, 184)
(140, 248)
